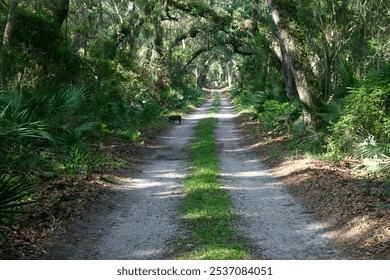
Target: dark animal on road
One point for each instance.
(174, 118)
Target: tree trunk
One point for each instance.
(288, 70)
(201, 80)
(296, 65)
(61, 10)
(6, 41)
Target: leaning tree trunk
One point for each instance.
(6, 41)
(296, 65)
(61, 10)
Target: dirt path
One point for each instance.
(138, 220)
(268, 215)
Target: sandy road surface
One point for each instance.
(276, 224)
(139, 220)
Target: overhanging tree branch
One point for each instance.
(226, 23)
(222, 20)
(195, 55)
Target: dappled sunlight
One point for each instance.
(364, 233)
(171, 175)
(144, 183)
(237, 150)
(357, 226)
(230, 139)
(246, 174)
(228, 108)
(281, 226)
(198, 116)
(225, 116)
(167, 194)
(206, 214)
(168, 137)
(160, 171)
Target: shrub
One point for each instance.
(13, 195)
(364, 128)
(277, 115)
(366, 114)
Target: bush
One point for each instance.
(38, 129)
(366, 115)
(364, 128)
(13, 195)
(277, 115)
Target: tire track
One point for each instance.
(138, 220)
(269, 216)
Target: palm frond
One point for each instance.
(331, 112)
(374, 150)
(71, 98)
(13, 195)
(89, 126)
(346, 79)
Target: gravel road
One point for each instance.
(276, 224)
(138, 220)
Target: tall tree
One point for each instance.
(296, 63)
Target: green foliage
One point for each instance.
(37, 130)
(364, 128)
(277, 115)
(367, 108)
(216, 103)
(130, 135)
(37, 47)
(346, 79)
(242, 99)
(330, 113)
(13, 195)
(79, 160)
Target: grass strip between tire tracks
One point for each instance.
(206, 205)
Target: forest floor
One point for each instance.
(355, 210)
(351, 210)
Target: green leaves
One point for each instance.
(364, 127)
(13, 195)
(40, 128)
(70, 99)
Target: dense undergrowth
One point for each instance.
(47, 135)
(355, 126)
(74, 74)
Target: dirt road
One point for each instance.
(269, 216)
(140, 219)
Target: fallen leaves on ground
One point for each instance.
(58, 202)
(356, 210)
